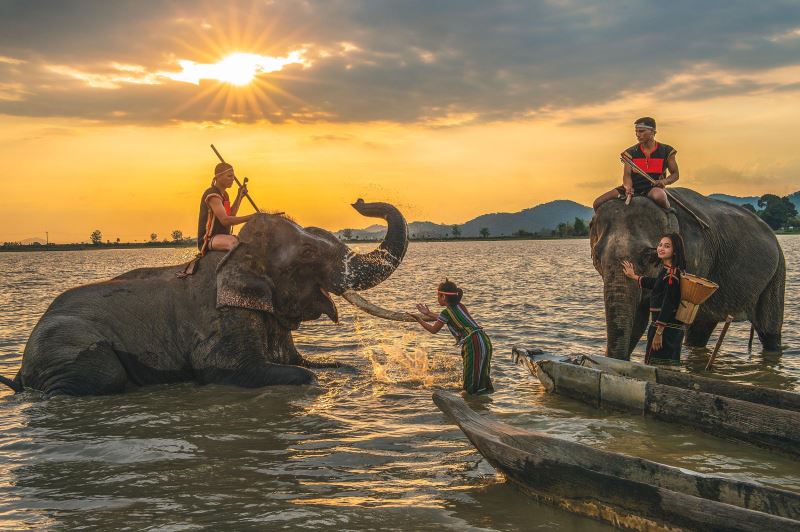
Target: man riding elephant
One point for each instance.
(737, 250)
(229, 323)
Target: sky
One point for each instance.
(447, 109)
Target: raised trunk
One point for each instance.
(621, 297)
(363, 271)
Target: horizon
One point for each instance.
(500, 106)
(370, 225)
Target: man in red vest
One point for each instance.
(655, 159)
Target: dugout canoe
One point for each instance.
(723, 410)
(622, 490)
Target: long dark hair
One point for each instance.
(451, 288)
(678, 251)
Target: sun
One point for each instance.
(237, 69)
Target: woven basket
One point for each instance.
(694, 291)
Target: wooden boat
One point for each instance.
(765, 417)
(622, 490)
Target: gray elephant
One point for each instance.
(229, 323)
(738, 251)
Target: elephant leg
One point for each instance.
(640, 322)
(699, 332)
(257, 376)
(767, 317)
(95, 371)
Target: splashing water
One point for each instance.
(401, 360)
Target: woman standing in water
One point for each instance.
(476, 348)
(665, 334)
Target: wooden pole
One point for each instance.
(627, 161)
(246, 195)
(750, 341)
(728, 321)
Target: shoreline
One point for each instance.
(191, 244)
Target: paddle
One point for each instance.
(246, 195)
(626, 159)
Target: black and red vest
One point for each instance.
(217, 228)
(655, 164)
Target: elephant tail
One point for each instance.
(15, 385)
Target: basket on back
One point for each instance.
(694, 291)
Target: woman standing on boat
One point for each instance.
(665, 334)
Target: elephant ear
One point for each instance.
(242, 280)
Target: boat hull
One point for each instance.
(622, 490)
(636, 388)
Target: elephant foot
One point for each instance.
(699, 333)
(770, 341)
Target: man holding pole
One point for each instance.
(650, 159)
(218, 214)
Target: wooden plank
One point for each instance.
(622, 490)
(769, 427)
(574, 381)
(754, 394)
(620, 367)
(762, 425)
(617, 391)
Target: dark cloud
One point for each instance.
(410, 61)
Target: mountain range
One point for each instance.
(540, 218)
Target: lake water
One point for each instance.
(365, 449)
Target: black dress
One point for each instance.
(665, 296)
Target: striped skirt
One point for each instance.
(477, 355)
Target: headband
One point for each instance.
(222, 172)
(448, 293)
(643, 126)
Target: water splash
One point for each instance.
(397, 360)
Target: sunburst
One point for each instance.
(237, 77)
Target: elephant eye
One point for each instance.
(307, 253)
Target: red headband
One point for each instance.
(448, 293)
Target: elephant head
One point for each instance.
(626, 232)
(289, 271)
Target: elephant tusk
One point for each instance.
(357, 301)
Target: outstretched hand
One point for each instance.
(627, 269)
(424, 309)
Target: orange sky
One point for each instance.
(129, 174)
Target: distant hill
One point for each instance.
(736, 200)
(541, 218)
(753, 200)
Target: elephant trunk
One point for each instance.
(363, 271)
(621, 297)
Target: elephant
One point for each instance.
(228, 323)
(738, 251)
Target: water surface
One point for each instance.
(365, 449)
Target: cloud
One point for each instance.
(776, 177)
(433, 63)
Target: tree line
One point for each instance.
(97, 237)
(778, 212)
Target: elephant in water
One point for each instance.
(738, 251)
(229, 323)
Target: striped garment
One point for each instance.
(476, 348)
